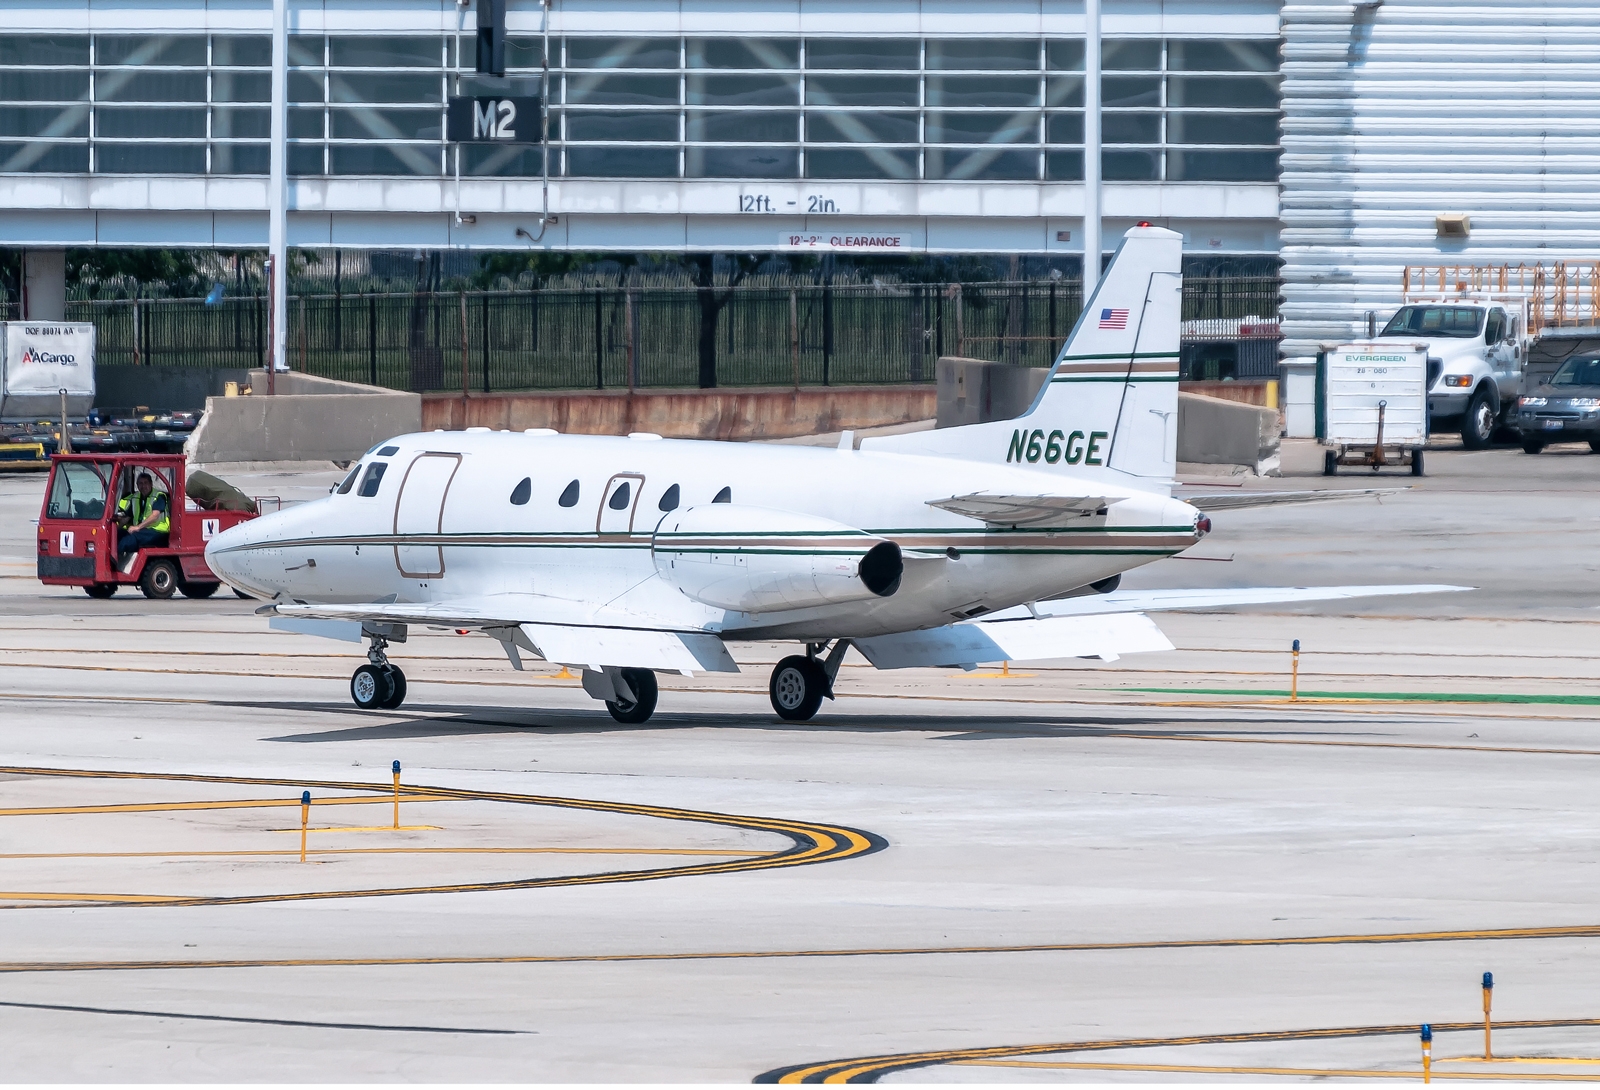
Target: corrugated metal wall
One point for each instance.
(1396, 111)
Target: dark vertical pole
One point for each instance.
(1054, 347)
(485, 310)
(599, 347)
(338, 301)
(938, 324)
(372, 336)
(827, 319)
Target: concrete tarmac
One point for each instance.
(1159, 869)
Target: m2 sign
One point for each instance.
(487, 120)
(45, 357)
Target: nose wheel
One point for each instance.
(380, 683)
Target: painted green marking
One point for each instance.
(1416, 698)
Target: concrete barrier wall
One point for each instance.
(1214, 431)
(688, 414)
(308, 420)
(976, 391)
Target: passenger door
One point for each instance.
(617, 504)
(419, 513)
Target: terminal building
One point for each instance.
(1340, 138)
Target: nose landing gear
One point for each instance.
(380, 683)
(800, 682)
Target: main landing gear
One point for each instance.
(380, 683)
(800, 682)
(629, 693)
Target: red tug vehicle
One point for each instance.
(78, 525)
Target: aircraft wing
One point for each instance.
(970, 643)
(1141, 601)
(1237, 501)
(563, 632)
(1021, 510)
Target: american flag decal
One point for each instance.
(1113, 319)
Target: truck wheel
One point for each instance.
(1477, 426)
(100, 590)
(1531, 446)
(160, 579)
(1416, 462)
(198, 590)
(1594, 445)
(1330, 463)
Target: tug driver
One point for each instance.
(145, 518)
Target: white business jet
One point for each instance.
(628, 556)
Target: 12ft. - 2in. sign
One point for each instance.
(487, 120)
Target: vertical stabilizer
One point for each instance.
(1110, 407)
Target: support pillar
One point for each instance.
(44, 285)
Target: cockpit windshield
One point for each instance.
(1578, 371)
(1435, 321)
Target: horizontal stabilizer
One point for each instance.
(968, 644)
(1240, 500)
(1142, 601)
(1023, 510)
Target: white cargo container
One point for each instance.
(40, 359)
(1373, 405)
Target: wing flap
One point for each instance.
(1016, 641)
(650, 649)
(1240, 501)
(1023, 510)
(624, 641)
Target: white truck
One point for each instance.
(1477, 356)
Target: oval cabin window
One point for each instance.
(725, 496)
(569, 496)
(669, 499)
(619, 498)
(524, 489)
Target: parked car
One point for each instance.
(1565, 408)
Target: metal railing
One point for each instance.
(620, 338)
(1559, 294)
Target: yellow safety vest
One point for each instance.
(139, 508)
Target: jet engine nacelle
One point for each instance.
(757, 560)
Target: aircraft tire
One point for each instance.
(369, 687)
(643, 684)
(100, 590)
(397, 687)
(797, 687)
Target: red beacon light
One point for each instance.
(1143, 223)
(1202, 525)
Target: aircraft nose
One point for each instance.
(225, 555)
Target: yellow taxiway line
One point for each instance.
(872, 1068)
(809, 842)
(1292, 1072)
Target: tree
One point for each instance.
(703, 267)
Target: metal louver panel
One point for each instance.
(1398, 111)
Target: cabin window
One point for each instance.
(669, 499)
(569, 497)
(725, 496)
(524, 489)
(388, 452)
(350, 480)
(619, 498)
(374, 477)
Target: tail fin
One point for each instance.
(1110, 406)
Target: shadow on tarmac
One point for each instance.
(976, 728)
